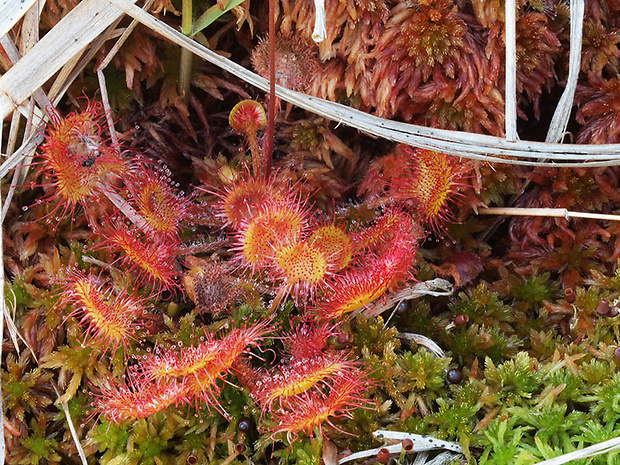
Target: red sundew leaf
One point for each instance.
(335, 244)
(200, 367)
(359, 287)
(152, 259)
(76, 159)
(110, 319)
(308, 340)
(393, 241)
(120, 403)
(428, 184)
(241, 200)
(275, 226)
(301, 268)
(173, 362)
(395, 225)
(162, 205)
(379, 174)
(312, 408)
(286, 382)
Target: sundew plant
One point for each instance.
(197, 272)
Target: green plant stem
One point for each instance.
(185, 68)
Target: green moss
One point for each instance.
(417, 319)
(455, 420)
(423, 370)
(503, 445)
(605, 399)
(374, 335)
(301, 452)
(515, 379)
(17, 292)
(110, 438)
(595, 372)
(482, 306)
(552, 424)
(479, 341)
(534, 290)
(41, 450)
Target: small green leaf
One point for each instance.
(212, 14)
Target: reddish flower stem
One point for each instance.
(271, 107)
(254, 150)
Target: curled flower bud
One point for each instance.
(248, 117)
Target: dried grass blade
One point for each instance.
(71, 71)
(424, 341)
(547, 212)
(72, 33)
(25, 150)
(11, 12)
(591, 451)
(72, 430)
(106, 106)
(559, 122)
(510, 96)
(18, 174)
(421, 444)
(14, 56)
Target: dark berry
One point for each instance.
(401, 309)
(454, 376)
(244, 425)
